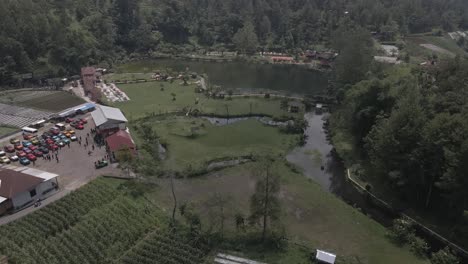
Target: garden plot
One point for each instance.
(20, 116)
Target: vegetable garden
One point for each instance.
(100, 223)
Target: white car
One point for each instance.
(14, 158)
(2, 153)
(4, 160)
(73, 138)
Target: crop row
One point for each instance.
(55, 218)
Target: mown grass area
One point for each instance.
(147, 98)
(113, 77)
(193, 142)
(420, 53)
(7, 129)
(310, 215)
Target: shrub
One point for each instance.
(418, 245)
(401, 231)
(444, 256)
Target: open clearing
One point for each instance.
(310, 215)
(44, 100)
(147, 98)
(442, 45)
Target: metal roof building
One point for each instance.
(325, 257)
(108, 119)
(21, 186)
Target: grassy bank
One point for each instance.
(193, 142)
(311, 216)
(148, 98)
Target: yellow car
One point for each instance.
(34, 141)
(4, 160)
(68, 135)
(71, 131)
(14, 141)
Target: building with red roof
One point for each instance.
(119, 141)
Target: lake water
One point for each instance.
(290, 79)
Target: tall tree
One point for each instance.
(264, 203)
(246, 39)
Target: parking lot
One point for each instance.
(76, 162)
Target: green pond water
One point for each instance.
(290, 79)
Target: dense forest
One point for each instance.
(409, 129)
(56, 37)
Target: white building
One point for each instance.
(22, 186)
(109, 119)
(325, 257)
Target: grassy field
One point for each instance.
(420, 53)
(193, 142)
(6, 129)
(43, 100)
(311, 216)
(148, 98)
(112, 77)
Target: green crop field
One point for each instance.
(6, 129)
(42, 100)
(146, 98)
(99, 223)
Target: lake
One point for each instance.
(289, 79)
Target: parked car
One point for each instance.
(27, 150)
(9, 149)
(14, 141)
(79, 127)
(13, 158)
(24, 161)
(32, 147)
(27, 136)
(83, 120)
(4, 160)
(2, 153)
(35, 141)
(54, 131)
(53, 147)
(73, 138)
(69, 120)
(62, 136)
(44, 150)
(21, 154)
(101, 164)
(60, 143)
(31, 157)
(19, 147)
(26, 144)
(38, 153)
(71, 131)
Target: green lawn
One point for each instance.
(311, 216)
(6, 129)
(148, 98)
(419, 53)
(211, 142)
(127, 76)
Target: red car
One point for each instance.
(84, 121)
(9, 149)
(38, 153)
(27, 137)
(19, 147)
(21, 154)
(79, 126)
(31, 157)
(32, 147)
(50, 141)
(27, 150)
(69, 120)
(53, 147)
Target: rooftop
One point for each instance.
(105, 113)
(14, 182)
(120, 140)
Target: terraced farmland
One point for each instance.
(52, 101)
(99, 223)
